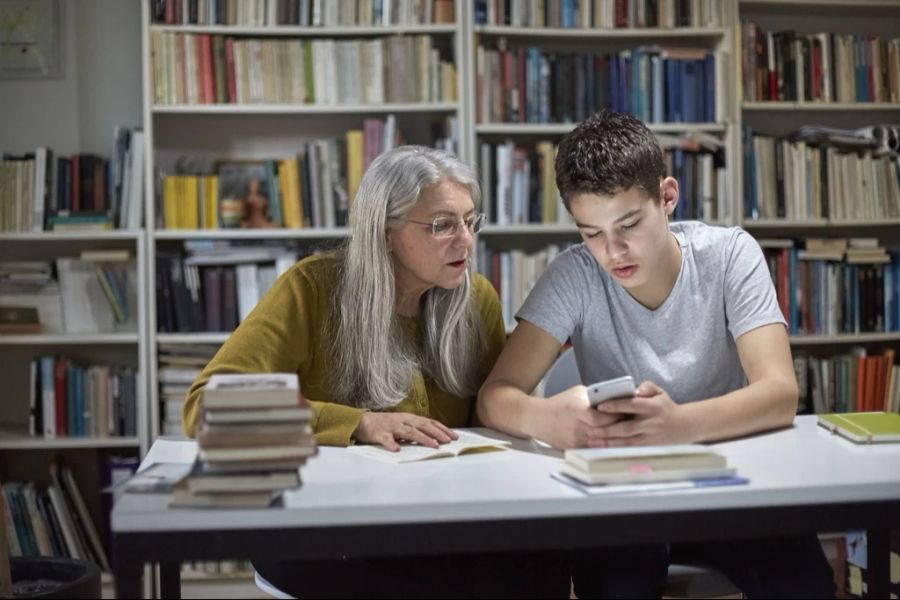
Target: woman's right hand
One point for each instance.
(390, 428)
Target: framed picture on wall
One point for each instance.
(31, 39)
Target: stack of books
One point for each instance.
(254, 437)
(867, 251)
(645, 464)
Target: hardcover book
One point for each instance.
(863, 427)
(256, 390)
(644, 459)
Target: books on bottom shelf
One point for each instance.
(52, 522)
(863, 427)
(686, 464)
(254, 437)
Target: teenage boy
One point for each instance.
(686, 309)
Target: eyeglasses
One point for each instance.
(446, 227)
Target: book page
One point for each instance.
(467, 442)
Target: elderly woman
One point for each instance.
(391, 337)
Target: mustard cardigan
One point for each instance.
(287, 332)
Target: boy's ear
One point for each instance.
(668, 194)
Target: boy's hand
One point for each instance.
(656, 419)
(390, 428)
(569, 421)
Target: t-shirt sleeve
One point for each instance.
(750, 300)
(556, 304)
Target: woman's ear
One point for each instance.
(668, 193)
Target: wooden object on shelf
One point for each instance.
(19, 319)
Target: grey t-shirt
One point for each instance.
(687, 345)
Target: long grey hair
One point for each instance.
(374, 361)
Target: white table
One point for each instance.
(802, 479)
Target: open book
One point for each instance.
(467, 443)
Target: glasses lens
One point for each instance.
(444, 227)
(477, 223)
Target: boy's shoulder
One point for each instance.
(700, 236)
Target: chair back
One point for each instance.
(563, 374)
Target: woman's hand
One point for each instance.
(390, 428)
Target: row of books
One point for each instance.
(531, 85)
(601, 14)
(315, 13)
(253, 438)
(212, 69)
(93, 293)
(519, 182)
(215, 291)
(69, 399)
(311, 189)
(818, 67)
(179, 366)
(797, 179)
(825, 293)
(52, 522)
(513, 274)
(853, 382)
(40, 191)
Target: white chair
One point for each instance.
(683, 580)
(263, 584)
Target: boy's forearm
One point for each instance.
(761, 406)
(507, 408)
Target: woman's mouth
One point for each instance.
(459, 264)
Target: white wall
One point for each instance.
(100, 87)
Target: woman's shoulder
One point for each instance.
(322, 268)
(482, 289)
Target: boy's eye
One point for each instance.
(630, 225)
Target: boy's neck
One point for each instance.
(657, 290)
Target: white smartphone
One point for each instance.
(613, 388)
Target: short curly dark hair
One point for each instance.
(608, 153)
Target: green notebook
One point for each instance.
(864, 427)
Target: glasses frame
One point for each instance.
(479, 218)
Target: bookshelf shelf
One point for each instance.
(820, 106)
(529, 229)
(17, 441)
(298, 31)
(817, 224)
(252, 234)
(846, 338)
(693, 33)
(563, 128)
(830, 7)
(191, 338)
(303, 109)
(70, 236)
(70, 339)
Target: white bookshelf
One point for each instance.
(306, 109)
(259, 131)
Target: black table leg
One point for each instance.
(127, 578)
(170, 580)
(878, 558)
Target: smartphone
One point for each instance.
(613, 388)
